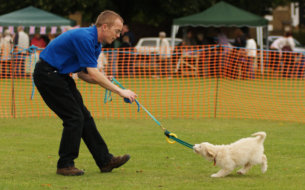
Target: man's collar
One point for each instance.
(96, 35)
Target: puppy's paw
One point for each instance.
(241, 172)
(215, 175)
(264, 169)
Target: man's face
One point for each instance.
(109, 33)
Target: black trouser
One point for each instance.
(61, 95)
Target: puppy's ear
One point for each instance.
(210, 153)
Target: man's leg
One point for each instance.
(95, 143)
(91, 135)
(55, 91)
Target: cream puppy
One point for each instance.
(244, 153)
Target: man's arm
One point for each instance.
(94, 76)
(85, 77)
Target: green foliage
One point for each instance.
(151, 12)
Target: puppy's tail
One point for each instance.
(261, 135)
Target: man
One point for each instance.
(284, 46)
(164, 54)
(283, 43)
(130, 34)
(249, 66)
(6, 46)
(38, 41)
(22, 42)
(22, 39)
(76, 51)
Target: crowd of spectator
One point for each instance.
(23, 40)
(14, 46)
(237, 58)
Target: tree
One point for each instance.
(151, 12)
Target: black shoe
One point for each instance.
(70, 171)
(115, 162)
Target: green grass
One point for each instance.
(29, 146)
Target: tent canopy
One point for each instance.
(222, 14)
(31, 16)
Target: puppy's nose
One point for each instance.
(195, 150)
(197, 145)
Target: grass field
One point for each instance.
(29, 146)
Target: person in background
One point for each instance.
(164, 55)
(240, 66)
(240, 39)
(188, 39)
(223, 52)
(58, 90)
(125, 59)
(206, 54)
(51, 37)
(125, 42)
(38, 41)
(222, 38)
(22, 43)
(284, 47)
(21, 39)
(6, 47)
(285, 43)
(126, 32)
(202, 39)
(248, 67)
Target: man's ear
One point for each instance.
(104, 27)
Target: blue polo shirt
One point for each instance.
(73, 50)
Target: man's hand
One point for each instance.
(96, 77)
(125, 93)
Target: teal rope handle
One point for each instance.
(167, 133)
(139, 105)
(108, 96)
(33, 49)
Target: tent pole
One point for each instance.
(262, 48)
(267, 45)
(259, 38)
(173, 34)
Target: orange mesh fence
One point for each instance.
(189, 82)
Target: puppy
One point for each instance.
(244, 153)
